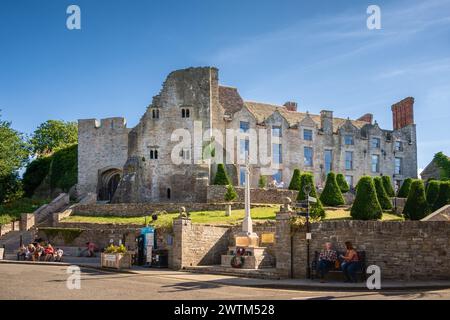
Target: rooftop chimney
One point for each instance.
(291, 106)
(403, 113)
(368, 117)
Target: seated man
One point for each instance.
(327, 260)
(22, 253)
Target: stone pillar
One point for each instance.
(27, 221)
(283, 240)
(181, 226)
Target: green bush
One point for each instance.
(382, 195)
(68, 234)
(387, 184)
(231, 194)
(444, 196)
(35, 173)
(295, 181)
(64, 168)
(262, 182)
(403, 192)
(432, 191)
(342, 183)
(221, 177)
(331, 194)
(416, 206)
(317, 210)
(366, 205)
(10, 188)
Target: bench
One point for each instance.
(361, 270)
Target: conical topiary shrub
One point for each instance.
(230, 196)
(432, 192)
(366, 205)
(382, 196)
(387, 184)
(342, 183)
(221, 177)
(295, 181)
(331, 194)
(317, 210)
(444, 196)
(416, 206)
(403, 192)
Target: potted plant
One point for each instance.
(116, 257)
(230, 196)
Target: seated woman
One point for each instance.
(350, 264)
(49, 253)
(58, 255)
(327, 260)
(22, 253)
(29, 255)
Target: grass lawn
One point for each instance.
(214, 217)
(12, 211)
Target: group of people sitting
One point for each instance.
(348, 263)
(37, 252)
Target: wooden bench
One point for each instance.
(361, 270)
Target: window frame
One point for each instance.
(311, 136)
(351, 153)
(305, 163)
(377, 168)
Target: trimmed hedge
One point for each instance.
(444, 196)
(382, 195)
(221, 177)
(342, 183)
(317, 210)
(366, 205)
(331, 194)
(295, 183)
(432, 191)
(416, 206)
(403, 192)
(387, 184)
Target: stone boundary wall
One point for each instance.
(216, 193)
(409, 250)
(12, 226)
(145, 209)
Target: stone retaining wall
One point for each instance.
(410, 250)
(216, 193)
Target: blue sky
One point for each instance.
(318, 53)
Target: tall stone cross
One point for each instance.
(247, 224)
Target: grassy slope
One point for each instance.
(214, 217)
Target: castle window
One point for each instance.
(244, 149)
(398, 166)
(375, 163)
(155, 113)
(307, 134)
(348, 160)
(348, 140)
(276, 131)
(349, 180)
(276, 153)
(308, 156)
(398, 146)
(154, 154)
(169, 193)
(244, 126)
(185, 113)
(376, 143)
(328, 161)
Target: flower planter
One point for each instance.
(116, 260)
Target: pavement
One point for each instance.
(231, 280)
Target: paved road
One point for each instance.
(18, 281)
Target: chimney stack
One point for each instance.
(291, 106)
(368, 117)
(403, 113)
(326, 121)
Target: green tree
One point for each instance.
(295, 181)
(221, 177)
(262, 182)
(35, 174)
(444, 196)
(231, 194)
(443, 163)
(382, 195)
(331, 194)
(10, 188)
(64, 168)
(403, 192)
(432, 191)
(54, 135)
(366, 205)
(317, 210)
(416, 206)
(387, 184)
(342, 183)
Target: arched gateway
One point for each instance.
(108, 182)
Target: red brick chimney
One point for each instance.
(368, 117)
(403, 113)
(291, 106)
